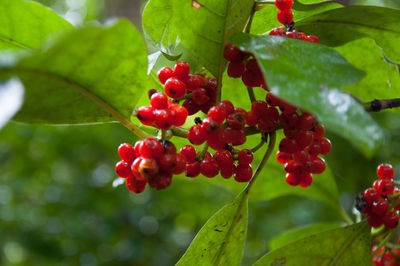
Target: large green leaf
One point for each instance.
(339, 26)
(382, 80)
(221, 240)
(85, 76)
(309, 75)
(299, 233)
(26, 24)
(344, 246)
(158, 26)
(204, 27)
(11, 98)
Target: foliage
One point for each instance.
(97, 73)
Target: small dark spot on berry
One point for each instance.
(172, 91)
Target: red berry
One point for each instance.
(307, 121)
(159, 100)
(370, 195)
(385, 171)
(148, 168)
(325, 146)
(209, 167)
(277, 32)
(282, 157)
(317, 165)
(295, 168)
(232, 53)
(288, 145)
(169, 147)
(151, 148)
(197, 135)
(266, 124)
(227, 107)
(301, 156)
(193, 82)
(243, 173)
(180, 115)
(306, 180)
(210, 126)
(272, 100)
(181, 70)
(236, 120)
(391, 220)
(304, 138)
(217, 114)
(217, 140)
(285, 16)
(146, 115)
(228, 170)
(123, 169)
(191, 106)
(236, 69)
(292, 179)
(380, 206)
(164, 74)
(224, 158)
(167, 162)
(252, 79)
(295, 35)
(252, 118)
(126, 152)
(200, 96)
(235, 136)
(284, 4)
(193, 169)
(319, 131)
(180, 164)
(161, 181)
(245, 156)
(374, 221)
(189, 152)
(386, 187)
(134, 185)
(175, 88)
(137, 147)
(312, 38)
(163, 118)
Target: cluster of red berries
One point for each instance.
(294, 34)
(285, 14)
(162, 112)
(386, 256)
(377, 204)
(200, 91)
(151, 162)
(221, 162)
(242, 65)
(223, 125)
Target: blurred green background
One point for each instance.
(60, 203)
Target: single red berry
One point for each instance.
(224, 158)
(217, 140)
(295, 168)
(380, 206)
(370, 195)
(161, 181)
(135, 185)
(245, 156)
(301, 156)
(180, 164)
(252, 79)
(159, 100)
(317, 165)
(285, 16)
(193, 82)
(252, 118)
(307, 121)
(226, 106)
(175, 88)
(236, 69)
(217, 114)
(295, 35)
(236, 120)
(146, 115)
(288, 145)
(235, 136)
(181, 70)
(189, 152)
(282, 157)
(272, 100)
(164, 74)
(200, 96)
(137, 147)
(266, 124)
(180, 115)
(391, 220)
(135, 168)
(284, 4)
(151, 148)
(312, 38)
(243, 173)
(325, 145)
(163, 118)
(232, 53)
(304, 138)
(169, 147)
(197, 135)
(319, 131)
(277, 32)
(126, 152)
(123, 169)
(192, 169)
(292, 179)
(374, 221)
(385, 171)
(210, 126)
(148, 168)
(306, 180)
(167, 162)
(386, 187)
(313, 149)
(228, 170)
(191, 106)
(209, 168)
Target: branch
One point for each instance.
(379, 105)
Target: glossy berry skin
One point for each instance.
(391, 220)
(175, 88)
(146, 115)
(148, 168)
(232, 53)
(209, 168)
(189, 152)
(284, 4)
(385, 171)
(370, 195)
(126, 152)
(245, 156)
(181, 70)
(163, 118)
(217, 114)
(226, 107)
(197, 135)
(325, 146)
(386, 187)
(236, 69)
(159, 101)
(192, 169)
(224, 158)
(282, 157)
(123, 169)
(292, 179)
(288, 145)
(180, 164)
(285, 16)
(151, 148)
(134, 185)
(180, 114)
(164, 74)
(200, 96)
(312, 38)
(277, 32)
(243, 173)
(306, 180)
(380, 206)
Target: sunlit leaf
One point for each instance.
(11, 98)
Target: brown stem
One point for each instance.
(379, 105)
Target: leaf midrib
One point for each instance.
(14, 43)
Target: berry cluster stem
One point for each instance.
(250, 91)
(379, 105)
(259, 145)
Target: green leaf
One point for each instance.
(11, 98)
(158, 26)
(221, 240)
(382, 80)
(27, 24)
(339, 26)
(300, 233)
(344, 246)
(85, 76)
(204, 27)
(309, 75)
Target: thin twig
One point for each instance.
(379, 105)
